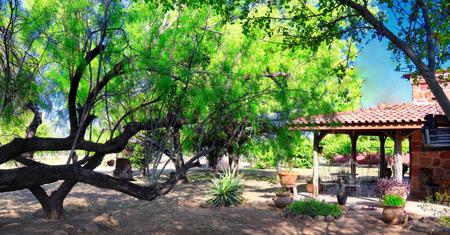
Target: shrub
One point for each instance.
(444, 221)
(313, 207)
(385, 184)
(393, 200)
(438, 198)
(226, 190)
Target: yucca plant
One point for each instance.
(226, 190)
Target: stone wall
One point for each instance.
(438, 161)
(421, 94)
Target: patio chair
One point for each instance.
(353, 182)
(327, 180)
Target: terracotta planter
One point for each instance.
(282, 200)
(288, 178)
(310, 188)
(393, 214)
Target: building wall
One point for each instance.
(421, 94)
(438, 161)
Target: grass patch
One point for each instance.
(313, 208)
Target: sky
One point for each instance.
(382, 84)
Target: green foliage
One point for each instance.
(444, 221)
(226, 190)
(313, 207)
(437, 198)
(138, 157)
(393, 200)
(264, 153)
(308, 24)
(341, 144)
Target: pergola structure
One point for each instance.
(397, 122)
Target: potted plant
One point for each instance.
(283, 197)
(393, 209)
(288, 178)
(310, 187)
(341, 194)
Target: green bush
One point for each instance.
(444, 221)
(226, 190)
(313, 207)
(393, 200)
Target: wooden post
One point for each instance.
(354, 139)
(383, 162)
(317, 138)
(398, 176)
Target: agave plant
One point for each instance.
(226, 190)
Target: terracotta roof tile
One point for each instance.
(398, 113)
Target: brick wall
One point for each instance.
(438, 161)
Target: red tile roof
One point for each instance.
(381, 115)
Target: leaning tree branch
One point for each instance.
(26, 177)
(19, 146)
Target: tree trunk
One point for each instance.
(56, 209)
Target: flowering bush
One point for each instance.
(368, 158)
(384, 185)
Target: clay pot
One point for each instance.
(282, 200)
(310, 188)
(393, 214)
(288, 178)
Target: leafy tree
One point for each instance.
(417, 31)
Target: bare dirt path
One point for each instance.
(91, 210)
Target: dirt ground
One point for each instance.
(90, 210)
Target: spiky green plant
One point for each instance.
(226, 190)
(393, 200)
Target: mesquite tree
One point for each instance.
(108, 71)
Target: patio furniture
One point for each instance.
(328, 180)
(355, 183)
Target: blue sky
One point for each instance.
(382, 84)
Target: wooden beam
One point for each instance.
(318, 136)
(354, 138)
(366, 126)
(398, 160)
(383, 162)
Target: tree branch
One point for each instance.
(74, 83)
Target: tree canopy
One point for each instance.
(180, 78)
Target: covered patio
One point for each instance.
(398, 122)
